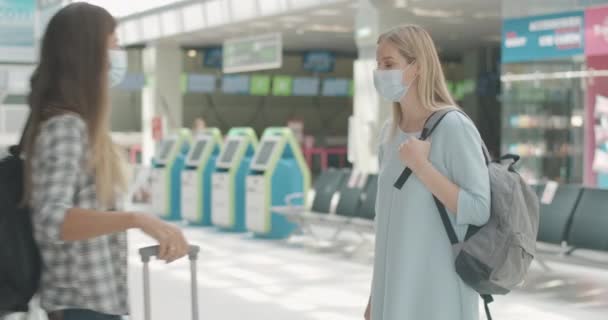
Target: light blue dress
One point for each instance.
(414, 276)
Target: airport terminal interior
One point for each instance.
(254, 125)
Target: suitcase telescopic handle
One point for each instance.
(152, 251)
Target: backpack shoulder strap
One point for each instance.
(433, 121)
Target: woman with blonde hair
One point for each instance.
(414, 275)
(73, 172)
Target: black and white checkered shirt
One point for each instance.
(90, 274)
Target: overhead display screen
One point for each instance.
(265, 153)
(305, 86)
(202, 83)
(235, 84)
(319, 61)
(260, 52)
(281, 86)
(197, 151)
(336, 87)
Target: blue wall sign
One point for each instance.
(545, 37)
(213, 58)
(319, 61)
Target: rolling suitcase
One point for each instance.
(152, 251)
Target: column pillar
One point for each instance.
(369, 110)
(162, 96)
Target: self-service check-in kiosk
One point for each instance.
(228, 181)
(166, 175)
(277, 170)
(196, 177)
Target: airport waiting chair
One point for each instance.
(321, 202)
(325, 188)
(349, 200)
(363, 221)
(367, 210)
(556, 217)
(538, 188)
(589, 228)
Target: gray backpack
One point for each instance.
(493, 258)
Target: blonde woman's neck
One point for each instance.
(414, 114)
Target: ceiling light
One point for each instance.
(577, 121)
(364, 32)
(486, 15)
(400, 3)
(454, 20)
(293, 19)
(436, 13)
(192, 53)
(261, 24)
(328, 28)
(326, 12)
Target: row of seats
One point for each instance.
(336, 203)
(352, 201)
(577, 217)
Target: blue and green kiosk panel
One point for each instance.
(277, 170)
(167, 167)
(228, 181)
(196, 177)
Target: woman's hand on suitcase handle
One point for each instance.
(171, 240)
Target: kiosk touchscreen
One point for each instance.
(277, 170)
(196, 177)
(228, 199)
(166, 175)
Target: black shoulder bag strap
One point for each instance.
(17, 150)
(429, 126)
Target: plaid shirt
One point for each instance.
(89, 274)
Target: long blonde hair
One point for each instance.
(72, 78)
(416, 45)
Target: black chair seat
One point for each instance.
(367, 210)
(556, 217)
(326, 185)
(350, 200)
(590, 222)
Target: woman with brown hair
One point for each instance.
(74, 175)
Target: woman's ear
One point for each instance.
(415, 68)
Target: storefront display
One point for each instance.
(555, 105)
(543, 123)
(596, 52)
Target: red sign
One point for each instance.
(157, 128)
(596, 31)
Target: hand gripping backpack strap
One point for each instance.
(430, 125)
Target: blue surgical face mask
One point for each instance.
(389, 84)
(118, 66)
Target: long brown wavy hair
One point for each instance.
(72, 77)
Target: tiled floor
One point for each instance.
(244, 278)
